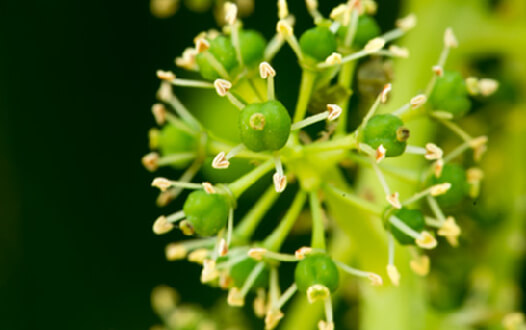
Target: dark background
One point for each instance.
(77, 79)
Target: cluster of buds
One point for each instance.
(236, 64)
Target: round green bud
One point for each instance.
(206, 213)
(172, 140)
(316, 268)
(450, 94)
(456, 176)
(264, 126)
(224, 52)
(318, 43)
(241, 270)
(252, 45)
(386, 130)
(412, 218)
(367, 29)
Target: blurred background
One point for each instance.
(77, 80)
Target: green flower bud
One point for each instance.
(316, 268)
(454, 174)
(252, 46)
(206, 213)
(450, 94)
(367, 29)
(172, 140)
(222, 49)
(386, 130)
(264, 126)
(318, 43)
(414, 219)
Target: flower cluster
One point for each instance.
(236, 63)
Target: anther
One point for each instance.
(393, 274)
(450, 40)
(385, 92)
(334, 111)
(406, 23)
(284, 29)
(186, 228)
(472, 85)
(283, 9)
(449, 228)
(437, 167)
(162, 183)
(257, 253)
(433, 152)
(187, 59)
(339, 12)
(418, 101)
(165, 75)
(159, 113)
(272, 318)
(198, 256)
(220, 161)
(302, 252)
(438, 70)
(222, 249)
(161, 226)
(324, 325)
(235, 297)
(376, 280)
(420, 265)
(280, 182)
(488, 86)
(222, 86)
(266, 70)
(209, 272)
(394, 200)
(334, 58)
(374, 45)
(380, 153)
(208, 188)
(175, 251)
(230, 13)
(399, 51)
(151, 161)
(201, 45)
(426, 241)
(439, 189)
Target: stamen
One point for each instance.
(332, 113)
(201, 45)
(426, 241)
(438, 70)
(272, 318)
(420, 265)
(159, 113)
(399, 51)
(199, 256)
(191, 83)
(266, 71)
(450, 40)
(163, 184)
(186, 228)
(209, 272)
(433, 152)
(334, 59)
(407, 23)
(450, 230)
(169, 195)
(437, 167)
(283, 9)
(187, 59)
(165, 75)
(220, 161)
(230, 13)
(151, 161)
(381, 178)
(260, 253)
(380, 153)
(439, 189)
(385, 92)
(291, 290)
(161, 226)
(472, 85)
(474, 177)
(417, 101)
(237, 296)
(376, 280)
(280, 180)
(302, 252)
(393, 274)
(208, 188)
(214, 62)
(488, 86)
(260, 303)
(286, 31)
(175, 251)
(400, 225)
(374, 45)
(222, 86)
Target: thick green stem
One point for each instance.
(240, 185)
(308, 79)
(318, 230)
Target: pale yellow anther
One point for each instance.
(420, 265)
(394, 200)
(165, 92)
(266, 70)
(235, 297)
(159, 113)
(440, 189)
(162, 183)
(272, 318)
(230, 13)
(151, 161)
(175, 251)
(283, 9)
(474, 175)
(374, 45)
(433, 152)
(450, 40)
(220, 161)
(311, 4)
(513, 321)
(437, 167)
(418, 101)
(208, 188)
(380, 153)
(399, 51)
(334, 59)
(201, 45)
(317, 292)
(438, 70)
(338, 12)
(198, 256)
(324, 325)
(406, 23)
(280, 182)
(449, 228)
(376, 280)
(260, 306)
(222, 249)
(222, 86)
(393, 274)
(284, 29)
(426, 241)
(385, 92)
(488, 86)
(187, 60)
(209, 272)
(302, 252)
(257, 253)
(472, 85)
(165, 75)
(334, 111)
(225, 281)
(161, 226)
(478, 142)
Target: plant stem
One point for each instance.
(318, 231)
(308, 78)
(240, 185)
